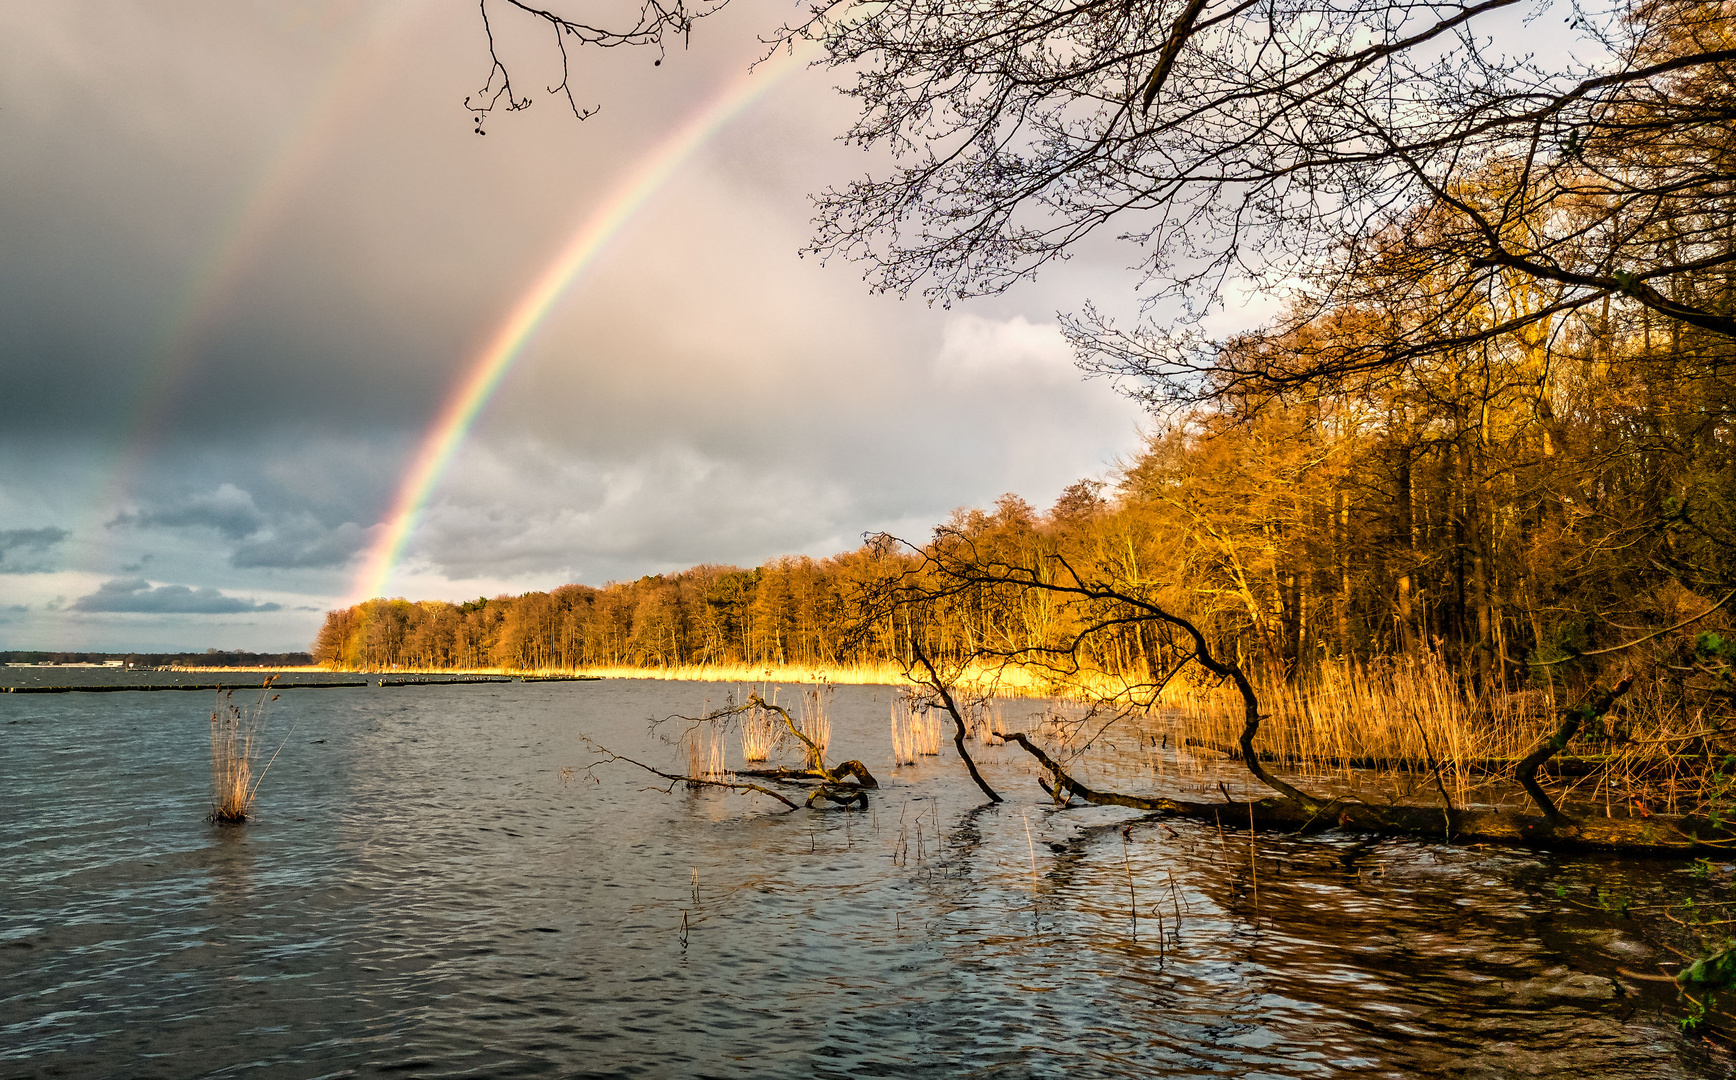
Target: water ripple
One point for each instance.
(425, 894)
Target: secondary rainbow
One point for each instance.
(480, 380)
(245, 234)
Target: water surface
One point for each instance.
(436, 886)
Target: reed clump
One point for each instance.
(927, 733)
(816, 718)
(759, 734)
(985, 718)
(915, 729)
(903, 731)
(919, 728)
(705, 755)
(236, 734)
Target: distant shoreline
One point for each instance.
(160, 659)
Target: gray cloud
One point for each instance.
(294, 539)
(605, 520)
(136, 595)
(228, 510)
(300, 542)
(21, 550)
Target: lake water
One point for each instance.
(435, 886)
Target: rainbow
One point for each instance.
(477, 384)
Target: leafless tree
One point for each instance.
(1406, 156)
(1337, 150)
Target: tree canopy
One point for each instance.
(1412, 162)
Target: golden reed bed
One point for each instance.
(1007, 683)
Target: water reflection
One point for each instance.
(425, 893)
(230, 859)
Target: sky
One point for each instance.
(248, 251)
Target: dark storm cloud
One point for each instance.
(182, 267)
(21, 550)
(288, 539)
(136, 595)
(228, 510)
(301, 543)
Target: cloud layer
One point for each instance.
(251, 251)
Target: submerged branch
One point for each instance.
(1067, 787)
(1565, 766)
(681, 778)
(939, 686)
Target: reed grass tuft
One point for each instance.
(816, 719)
(928, 733)
(236, 732)
(903, 731)
(704, 745)
(759, 734)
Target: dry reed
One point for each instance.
(235, 739)
(759, 734)
(816, 720)
(704, 745)
(916, 730)
(836, 674)
(927, 733)
(982, 721)
(921, 730)
(903, 732)
(979, 679)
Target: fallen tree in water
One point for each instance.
(953, 567)
(1562, 765)
(1653, 834)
